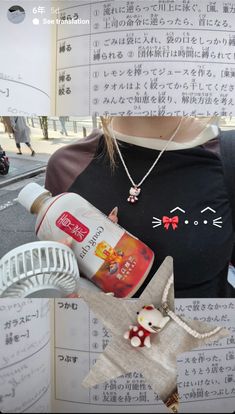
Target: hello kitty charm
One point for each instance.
(133, 194)
(150, 320)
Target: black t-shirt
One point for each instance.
(183, 211)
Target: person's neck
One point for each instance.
(160, 127)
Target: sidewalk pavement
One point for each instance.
(21, 168)
(25, 166)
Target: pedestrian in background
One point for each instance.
(7, 125)
(63, 119)
(21, 133)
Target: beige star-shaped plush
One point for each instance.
(157, 363)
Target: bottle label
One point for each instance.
(124, 267)
(72, 226)
(107, 255)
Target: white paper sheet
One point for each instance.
(206, 376)
(119, 58)
(146, 58)
(25, 356)
(80, 338)
(26, 54)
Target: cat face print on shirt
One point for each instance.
(178, 217)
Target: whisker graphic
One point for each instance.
(157, 222)
(217, 222)
(217, 225)
(156, 225)
(218, 218)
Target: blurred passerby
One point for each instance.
(63, 119)
(21, 133)
(7, 125)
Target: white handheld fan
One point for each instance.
(39, 269)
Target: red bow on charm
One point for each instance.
(167, 221)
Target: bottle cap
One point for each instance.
(29, 194)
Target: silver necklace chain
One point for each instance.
(178, 320)
(155, 162)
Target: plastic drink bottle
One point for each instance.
(107, 254)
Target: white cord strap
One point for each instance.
(155, 162)
(178, 320)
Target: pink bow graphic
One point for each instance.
(173, 221)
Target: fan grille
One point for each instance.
(46, 267)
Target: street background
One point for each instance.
(16, 224)
(25, 164)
